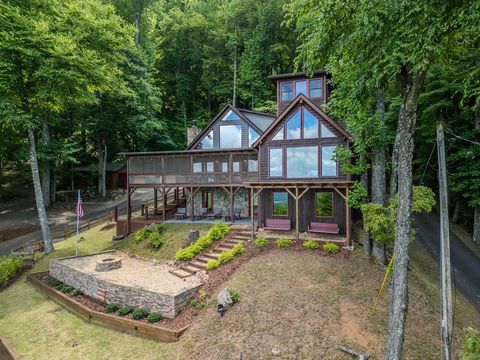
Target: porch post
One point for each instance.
(296, 214)
(251, 213)
(176, 195)
(232, 195)
(347, 218)
(129, 213)
(191, 201)
(164, 215)
(155, 201)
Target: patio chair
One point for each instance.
(181, 213)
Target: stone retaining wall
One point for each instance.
(168, 305)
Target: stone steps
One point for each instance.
(213, 256)
(197, 264)
(234, 241)
(180, 273)
(202, 259)
(192, 270)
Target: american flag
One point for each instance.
(79, 207)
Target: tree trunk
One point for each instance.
(456, 211)
(101, 167)
(399, 297)
(46, 165)
(394, 172)
(53, 187)
(42, 214)
(367, 240)
(378, 180)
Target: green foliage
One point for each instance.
(471, 345)
(261, 241)
(66, 288)
(226, 256)
(280, 209)
(331, 248)
(154, 317)
(324, 204)
(77, 292)
(54, 282)
(141, 234)
(310, 244)
(151, 233)
(234, 295)
(139, 314)
(381, 220)
(283, 243)
(357, 195)
(9, 265)
(125, 310)
(110, 308)
(218, 231)
(198, 304)
(156, 240)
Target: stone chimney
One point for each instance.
(192, 132)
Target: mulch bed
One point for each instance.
(17, 275)
(212, 282)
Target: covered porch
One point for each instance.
(310, 210)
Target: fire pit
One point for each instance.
(108, 264)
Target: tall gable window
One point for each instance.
(293, 126)
(329, 165)
(252, 136)
(310, 125)
(316, 88)
(231, 115)
(286, 90)
(279, 135)
(275, 160)
(230, 136)
(326, 132)
(207, 141)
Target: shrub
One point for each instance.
(54, 282)
(234, 295)
(110, 308)
(9, 265)
(310, 244)
(156, 240)
(77, 292)
(226, 256)
(66, 288)
(139, 314)
(331, 248)
(198, 304)
(140, 234)
(154, 317)
(471, 345)
(147, 231)
(261, 241)
(216, 232)
(212, 264)
(238, 249)
(283, 243)
(125, 310)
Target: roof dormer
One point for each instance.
(289, 86)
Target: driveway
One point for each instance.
(466, 265)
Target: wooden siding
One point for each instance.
(266, 145)
(307, 209)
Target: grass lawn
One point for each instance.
(294, 305)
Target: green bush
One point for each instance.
(77, 292)
(154, 317)
(139, 314)
(218, 230)
(310, 244)
(54, 282)
(141, 234)
(156, 240)
(234, 295)
(331, 248)
(125, 310)
(198, 304)
(226, 256)
(110, 308)
(238, 249)
(261, 241)
(212, 264)
(66, 288)
(9, 265)
(147, 231)
(471, 345)
(283, 243)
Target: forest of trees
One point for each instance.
(81, 81)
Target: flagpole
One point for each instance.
(78, 223)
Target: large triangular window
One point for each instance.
(279, 135)
(310, 125)
(293, 126)
(326, 132)
(207, 141)
(231, 115)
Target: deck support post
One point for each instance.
(164, 204)
(347, 218)
(251, 214)
(155, 201)
(296, 215)
(232, 214)
(129, 212)
(192, 195)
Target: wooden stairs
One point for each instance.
(212, 252)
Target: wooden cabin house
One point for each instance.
(278, 171)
